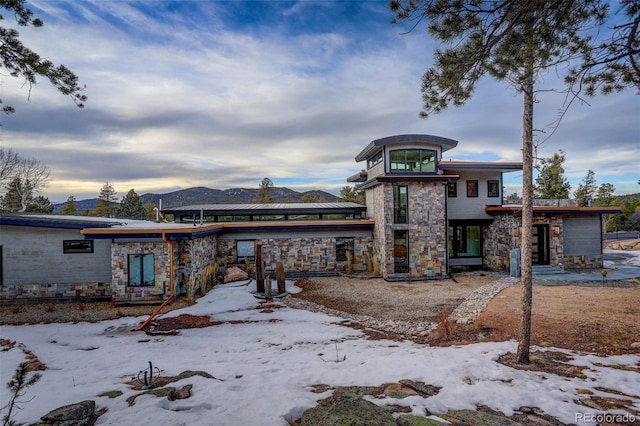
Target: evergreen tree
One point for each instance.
(40, 204)
(70, 207)
(308, 198)
(517, 41)
(551, 182)
(263, 196)
(22, 62)
(604, 196)
(107, 201)
(150, 212)
(351, 194)
(17, 197)
(587, 190)
(131, 207)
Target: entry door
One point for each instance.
(540, 245)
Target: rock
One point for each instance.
(477, 418)
(346, 410)
(411, 420)
(77, 414)
(235, 274)
(635, 345)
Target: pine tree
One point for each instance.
(605, 196)
(516, 41)
(263, 196)
(17, 197)
(351, 194)
(131, 207)
(587, 190)
(70, 207)
(551, 182)
(40, 204)
(107, 201)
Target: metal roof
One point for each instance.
(376, 146)
(266, 209)
(57, 221)
(481, 165)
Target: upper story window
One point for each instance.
(413, 161)
(375, 160)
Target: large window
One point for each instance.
(465, 241)
(413, 161)
(400, 251)
(344, 246)
(246, 249)
(400, 204)
(141, 270)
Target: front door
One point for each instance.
(540, 245)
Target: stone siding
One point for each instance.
(426, 228)
(121, 291)
(54, 292)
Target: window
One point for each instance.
(413, 161)
(246, 249)
(400, 251)
(77, 246)
(452, 189)
(377, 159)
(465, 241)
(472, 188)
(493, 188)
(344, 245)
(400, 204)
(141, 270)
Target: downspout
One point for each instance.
(171, 285)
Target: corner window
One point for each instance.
(77, 246)
(413, 161)
(493, 188)
(400, 204)
(472, 188)
(141, 270)
(246, 249)
(377, 159)
(344, 245)
(452, 189)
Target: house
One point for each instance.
(424, 217)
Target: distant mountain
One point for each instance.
(203, 195)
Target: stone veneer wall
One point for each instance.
(502, 235)
(193, 256)
(426, 226)
(121, 292)
(303, 254)
(54, 292)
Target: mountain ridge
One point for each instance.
(204, 195)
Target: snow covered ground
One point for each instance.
(267, 364)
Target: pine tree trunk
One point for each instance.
(527, 223)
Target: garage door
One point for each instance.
(582, 235)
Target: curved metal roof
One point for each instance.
(375, 146)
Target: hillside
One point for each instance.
(203, 195)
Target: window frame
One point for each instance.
(459, 240)
(240, 257)
(493, 188)
(68, 249)
(341, 253)
(426, 162)
(143, 269)
(398, 206)
(472, 188)
(452, 189)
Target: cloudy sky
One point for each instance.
(224, 93)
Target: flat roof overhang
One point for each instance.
(555, 209)
(407, 178)
(480, 165)
(377, 145)
(266, 209)
(198, 231)
(53, 222)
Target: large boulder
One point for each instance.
(77, 414)
(235, 274)
(338, 410)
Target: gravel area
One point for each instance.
(408, 309)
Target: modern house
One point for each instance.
(424, 217)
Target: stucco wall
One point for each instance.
(35, 266)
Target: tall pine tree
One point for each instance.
(551, 182)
